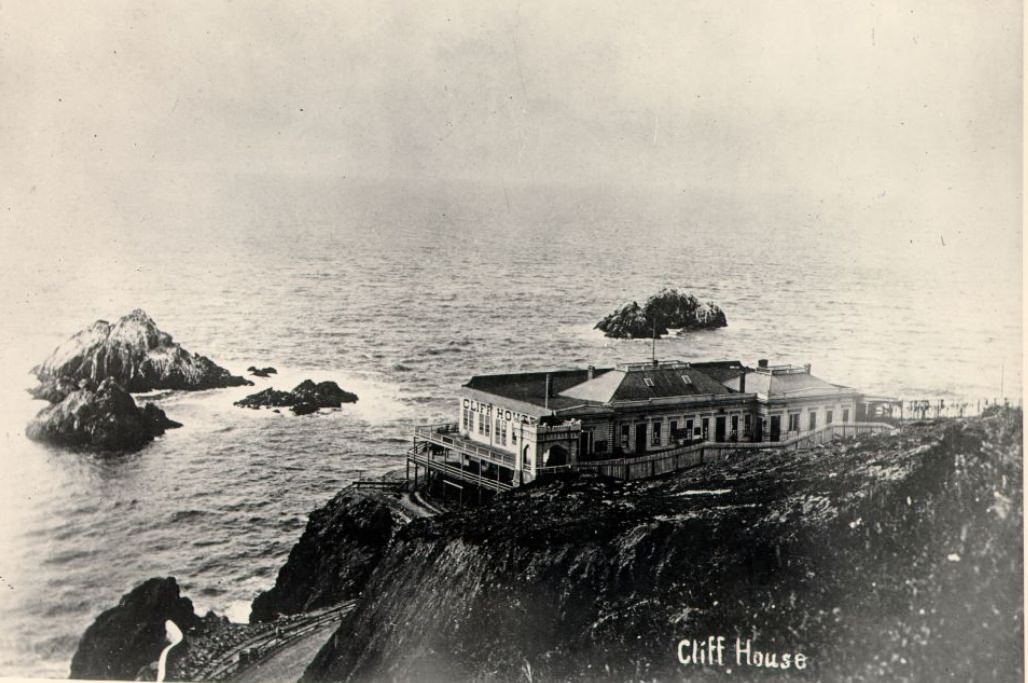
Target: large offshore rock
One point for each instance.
(667, 309)
(102, 418)
(131, 635)
(133, 352)
(334, 558)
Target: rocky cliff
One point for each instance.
(667, 309)
(102, 418)
(133, 352)
(340, 547)
(131, 635)
(897, 557)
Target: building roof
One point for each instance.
(643, 381)
(530, 387)
(722, 370)
(789, 382)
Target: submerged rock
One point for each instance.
(132, 352)
(667, 309)
(305, 398)
(334, 558)
(131, 635)
(104, 418)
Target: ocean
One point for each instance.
(400, 293)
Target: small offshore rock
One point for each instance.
(306, 398)
(262, 372)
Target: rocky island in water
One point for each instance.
(666, 310)
(87, 381)
(895, 556)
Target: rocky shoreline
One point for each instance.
(871, 558)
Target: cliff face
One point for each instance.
(131, 635)
(340, 547)
(133, 352)
(898, 557)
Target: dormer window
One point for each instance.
(648, 381)
(685, 378)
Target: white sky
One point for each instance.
(109, 108)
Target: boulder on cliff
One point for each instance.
(873, 559)
(129, 636)
(133, 352)
(102, 418)
(339, 549)
(667, 309)
(305, 398)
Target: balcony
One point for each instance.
(448, 436)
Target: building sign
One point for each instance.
(503, 413)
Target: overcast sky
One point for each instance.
(104, 101)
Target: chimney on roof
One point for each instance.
(546, 396)
(762, 363)
(742, 382)
(656, 362)
(592, 371)
(807, 368)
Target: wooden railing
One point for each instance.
(441, 436)
(694, 455)
(457, 472)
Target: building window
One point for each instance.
(706, 428)
(655, 436)
(794, 422)
(672, 429)
(601, 446)
(688, 429)
(734, 436)
(513, 435)
(625, 435)
(828, 417)
(501, 430)
(481, 422)
(845, 415)
(746, 424)
(812, 417)
(468, 425)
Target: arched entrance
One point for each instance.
(555, 456)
